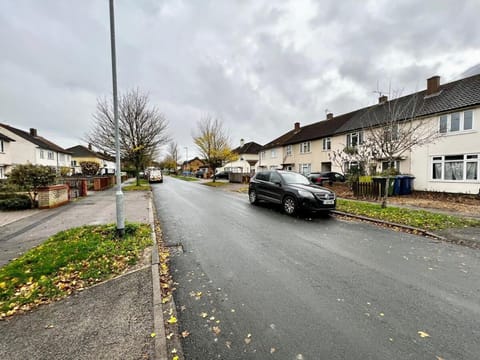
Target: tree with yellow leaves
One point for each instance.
(213, 143)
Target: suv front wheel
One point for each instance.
(252, 197)
(289, 205)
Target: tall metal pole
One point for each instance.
(119, 194)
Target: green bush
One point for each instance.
(14, 202)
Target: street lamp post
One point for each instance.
(186, 157)
(119, 194)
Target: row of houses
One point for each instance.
(450, 162)
(28, 147)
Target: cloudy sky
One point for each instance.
(258, 65)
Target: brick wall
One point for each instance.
(52, 196)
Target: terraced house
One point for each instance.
(447, 160)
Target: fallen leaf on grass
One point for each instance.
(423, 334)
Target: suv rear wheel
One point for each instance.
(289, 205)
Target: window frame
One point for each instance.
(442, 166)
(305, 147)
(355, 134)
(288, 150)
(2, 146)
(305, 166)
(327, 144)
(446, 122)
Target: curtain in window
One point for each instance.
(454, 170)
(437, 171)
(472, 170)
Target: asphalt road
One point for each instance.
(254, 283)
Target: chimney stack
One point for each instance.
(297, 126)
(242, 142)
(33, 132)
(89, 146)
(433, 85)
(329, 116)
(383, 99)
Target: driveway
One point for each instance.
(254, 283)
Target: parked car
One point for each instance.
(221, 175)
(155, 175)
(321, 178)
(292, 190)
(200, 173)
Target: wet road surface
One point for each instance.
(254, 283)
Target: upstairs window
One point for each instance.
(354, 139)
(289, 150)
(42, 154)
(327, 144)
(262, 155)
(50, 155)
(2, 149)
(305, 147)
(456, 122)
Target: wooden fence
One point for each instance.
(367, 190)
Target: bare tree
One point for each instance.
(395, 127)
(142, 129)
(213, 142)
(171, 160)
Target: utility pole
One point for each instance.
(119, 194)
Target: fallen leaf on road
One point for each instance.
(172, 320)
(176, 357)
(439, 358)
(272, 350)
(185, 334)
(248, 339)
(216, 330)
(204, 315)
(228, 344)
(423, 334)
(169, 336)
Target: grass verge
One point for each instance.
(417, 218)
(215, 184)
(144, 186)
(67, 262)
(184, 178)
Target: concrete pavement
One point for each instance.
(112, 320)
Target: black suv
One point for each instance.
(293, 190)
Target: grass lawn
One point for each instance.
(417, 218)
(69, 261)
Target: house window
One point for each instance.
(456, 167)
(42, 154)
(262, 154)
(354, 139)
(391, 165)
(305, 147)
(326, 144)
(62, 157)
(456, 122)
(2, 149)
(50, 155)
(289, 150)
(304, 169)
(74, 162)
(274, 153)
(391, 133)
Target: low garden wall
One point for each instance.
(53, 196)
